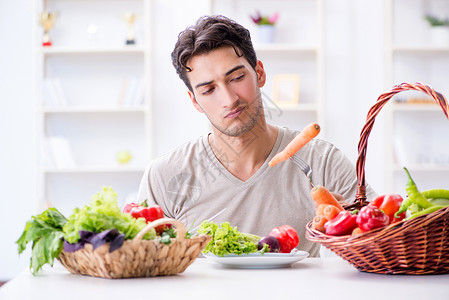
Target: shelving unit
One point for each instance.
(415, 133)
(297, 49)
(100, 105)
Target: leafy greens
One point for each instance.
(103, 213)
(45, 231)
(100, 222)
(228, 240)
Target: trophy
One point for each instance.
(130, 18)
(47, 21)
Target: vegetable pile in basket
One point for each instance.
(331, 219)
(98, 223)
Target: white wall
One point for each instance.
(353, 82)
(17, 186)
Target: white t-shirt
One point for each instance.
(191, 185)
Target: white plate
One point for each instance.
(259, 261)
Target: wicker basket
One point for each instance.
(417, 246)
(137, 257)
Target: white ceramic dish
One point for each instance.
(257, 260)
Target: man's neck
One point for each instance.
(242, 156)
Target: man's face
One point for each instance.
(227, 89)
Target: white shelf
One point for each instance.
(420, 49)
(94, 169)
(398, 107)
(284, 47)
(85, 109)
(304, 107)
(422, 168)
(91, 50)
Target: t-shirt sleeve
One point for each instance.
(152, 190)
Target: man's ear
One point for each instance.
(194, 102)
(261, 75)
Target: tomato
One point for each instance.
(149, 213)
(389, 204)
(287, 237)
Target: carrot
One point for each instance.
(318, 223)
(305, 136)
(357, 231)
(321, 195)
(330, 211)
(319, 209)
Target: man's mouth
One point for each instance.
(235, 113)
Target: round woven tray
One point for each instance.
(417, 246)
(137, 257)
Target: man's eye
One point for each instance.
(207, 92)
(238, 78)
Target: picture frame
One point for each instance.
(286, 89)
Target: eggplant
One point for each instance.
(271, 241)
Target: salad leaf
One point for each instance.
(101, 214)
(167, 234)
(45, 231)
(228, 240)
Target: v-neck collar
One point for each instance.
(256, 175)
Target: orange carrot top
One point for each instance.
(321, 195)
(305, 136)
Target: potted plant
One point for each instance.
(265, 25)
(439, 29)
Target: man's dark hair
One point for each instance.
(209, 33)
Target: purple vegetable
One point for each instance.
(272, 243)
(97, 239)
(73, 247)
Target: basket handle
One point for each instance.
(372, 113)
(180, 228)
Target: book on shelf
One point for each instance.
(53, 93)
(412, 97)
(46, 160)
(133, 91)
(60, 152)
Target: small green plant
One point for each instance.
(435, 21)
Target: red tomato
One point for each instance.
(287, 237)
(150, 213)
(377, 201)
(389, 204)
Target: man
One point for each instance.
(228, 168)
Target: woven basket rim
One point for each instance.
(377, 233)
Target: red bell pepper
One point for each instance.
(370, 217)
(287, 237)
(149, 213)
(389, 204)
(342, 224)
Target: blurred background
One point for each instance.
(89, 95)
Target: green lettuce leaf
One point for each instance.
(45, 232)
(228, 240)
(101, 214)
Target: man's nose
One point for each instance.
(229, 97)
